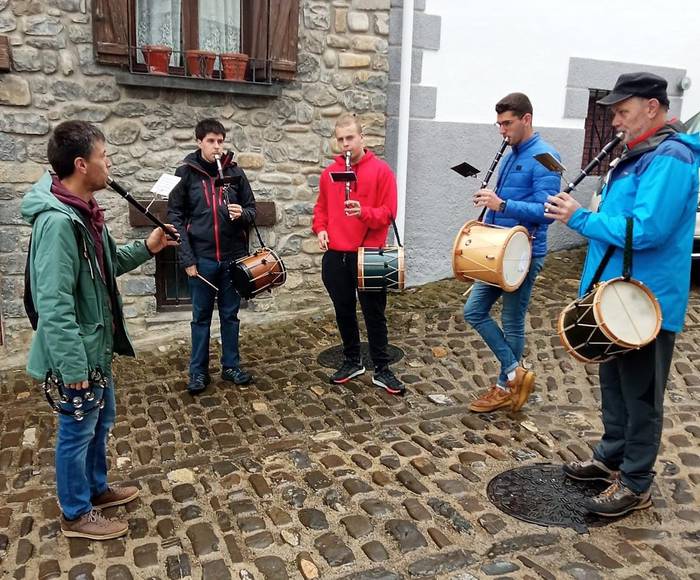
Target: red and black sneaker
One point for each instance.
(349, 370)
(385, 379)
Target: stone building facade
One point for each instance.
(281, 133)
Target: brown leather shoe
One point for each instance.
(494, 398)
(93, 526)
(115, 496)
(521, 387)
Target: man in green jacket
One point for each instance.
(72, 269)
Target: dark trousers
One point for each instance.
(203, 297)
(632, 392)
(339, 274)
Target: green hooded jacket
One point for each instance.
(81, 324)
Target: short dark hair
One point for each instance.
(518, 103)
(70, 140)
(206, 126)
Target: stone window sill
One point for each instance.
(197, 84)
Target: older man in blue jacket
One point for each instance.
(522, 187)
(655, 184)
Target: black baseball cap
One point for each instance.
(639, 84)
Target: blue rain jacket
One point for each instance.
(525, 184)
(656, 184)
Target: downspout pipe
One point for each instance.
(404, 113)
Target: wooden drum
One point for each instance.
(492, 254)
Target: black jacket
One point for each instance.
(197, 208)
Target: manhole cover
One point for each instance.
(332, 358)
(542, 494)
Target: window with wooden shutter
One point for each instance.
(110, 28)
(284, 27)
(270, 32)
(265, 30)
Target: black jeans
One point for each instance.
(339, 274)
(632, 394)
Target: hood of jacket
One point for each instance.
(40, 199)
(673, 129)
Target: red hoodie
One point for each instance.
(375, 189)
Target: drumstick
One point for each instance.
(203, 279)
(468, 290)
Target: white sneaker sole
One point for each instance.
(349, 378)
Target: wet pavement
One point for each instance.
(292, 477)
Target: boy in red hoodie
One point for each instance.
(342, 227)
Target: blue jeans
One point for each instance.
(81, 453)
(507, 343)
(203, 297)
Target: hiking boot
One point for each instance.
(349, 370)
(93, 526)
(494, 398)
(520, 387)
(591, 470)
(236, 375)
(198, 383)
(617, 500)
(115, 496)
(385, 379)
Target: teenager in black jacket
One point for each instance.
(213, 223)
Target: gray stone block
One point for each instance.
(423, 101)
(588, 73)
(395, 65)
(426, 31)
(576, 105)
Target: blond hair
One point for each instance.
(347, 119)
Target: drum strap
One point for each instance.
(257, 233)
(396, 233)
(626, 258)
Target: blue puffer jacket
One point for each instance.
(656, 184)
(525, 184)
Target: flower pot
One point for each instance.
(234, 65)
(157, 58)
(200, 63)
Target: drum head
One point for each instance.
(628, 312)
(516, 259)
(241, 281)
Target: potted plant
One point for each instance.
(157, 57)
(200, 63)
(234, 65)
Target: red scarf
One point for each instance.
(93, 214)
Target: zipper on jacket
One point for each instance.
(215, 212)
(87, 257)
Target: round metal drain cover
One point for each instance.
(332, 358)
(542, 494)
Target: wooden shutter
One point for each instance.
(110, 28)
(279, 42)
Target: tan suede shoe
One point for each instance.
(93, 526)
(115, 496)
(494, 398)
(521, 387)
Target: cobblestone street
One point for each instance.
(292, 477)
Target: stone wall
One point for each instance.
(282, 142)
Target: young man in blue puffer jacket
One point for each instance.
(655, 184)
(522, 187)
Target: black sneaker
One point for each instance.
(349, 370)
(236, 375)
(385, 378)
(592, 470)
(617, 500)
(198, 383)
